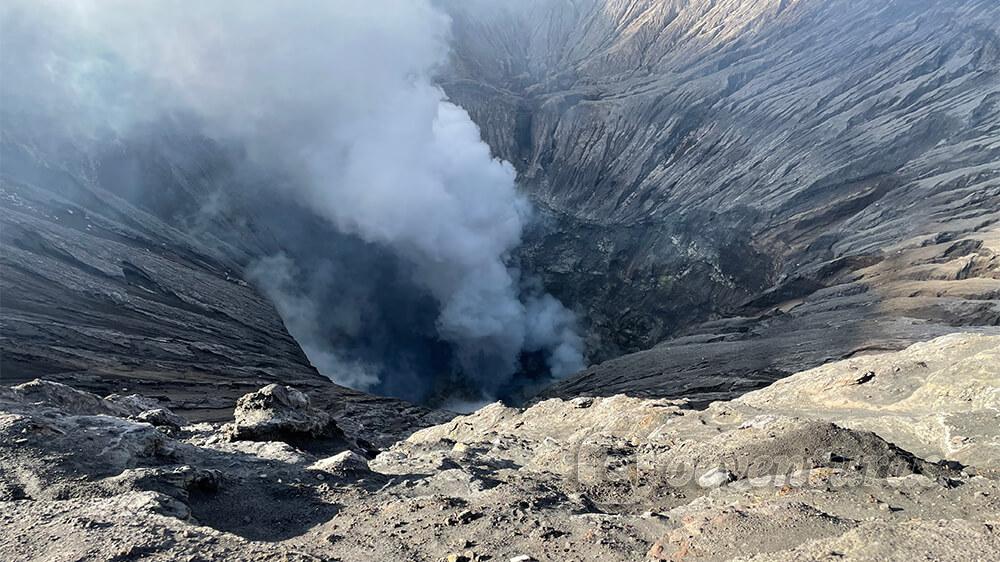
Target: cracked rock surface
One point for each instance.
(832, 462)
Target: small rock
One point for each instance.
(463, 518)
(346, 461)
(522, 558)
(759, 422)
(715, 478)
(948, 483)
(866, 377)
(832, 457)
(161, 417)
(148, 410)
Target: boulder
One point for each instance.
(64, 398)
(715, 478)
(148, 410)
(279, 413)
(70, 401)
(267, 450)
(347, 461)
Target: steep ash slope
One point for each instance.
(122, 272)
(699, 159)
(98, 286)
(926, 287)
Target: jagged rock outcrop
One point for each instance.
(803, 469)
(67, 399)
(279, 413)
(284, 414)
(52, 434)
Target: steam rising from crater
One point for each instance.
(337, 99)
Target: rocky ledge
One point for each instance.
(883, 457)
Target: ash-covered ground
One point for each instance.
(893, 456)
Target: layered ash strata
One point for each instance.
(704, 167)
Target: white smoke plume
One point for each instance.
(338, 98)
(276, 274)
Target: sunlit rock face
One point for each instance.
(722, 158)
